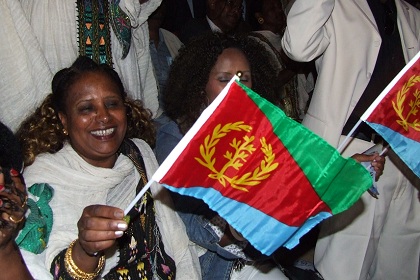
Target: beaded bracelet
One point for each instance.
(75, 272)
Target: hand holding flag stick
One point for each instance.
(373, 191)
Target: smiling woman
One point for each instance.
(78, 143)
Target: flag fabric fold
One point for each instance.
(268, 176)
(395, 114)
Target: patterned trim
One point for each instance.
(94, 32)
(121, 25)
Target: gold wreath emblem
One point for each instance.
(242, 149)
(414, 105)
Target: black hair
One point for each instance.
(184, 96)
(10, 150)
(66, 77)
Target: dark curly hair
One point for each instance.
(184, 96)
(43, 131)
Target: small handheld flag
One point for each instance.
(395, 114)
(268, 176)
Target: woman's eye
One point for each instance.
(224, 79)
(85, 109)
(113, 104)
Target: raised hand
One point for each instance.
(99, 227)
(377, 161)
(13, 199)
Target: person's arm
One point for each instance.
(306, 36)
(12, 210)
(12, 265)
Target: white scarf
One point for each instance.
(78, 184)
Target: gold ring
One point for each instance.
(18, 221)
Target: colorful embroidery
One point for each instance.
(121, 25)
(94, 32)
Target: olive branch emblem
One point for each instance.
(414, 104)
(242, 149)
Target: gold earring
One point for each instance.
(260, 20)
(65, 131)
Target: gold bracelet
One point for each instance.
(75, 272)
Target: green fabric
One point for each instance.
(34, 235)
(326, 168)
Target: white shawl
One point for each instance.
(78, 184)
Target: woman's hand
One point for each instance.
(13, 198)
(378, 162)
(99, 227)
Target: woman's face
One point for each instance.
(95, 119)
(230, 62)
(226, 14)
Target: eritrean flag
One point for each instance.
(395, 114)
(268, 176)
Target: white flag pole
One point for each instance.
(138, 196)
(348, 136)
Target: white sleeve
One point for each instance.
(306, 35)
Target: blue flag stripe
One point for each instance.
(275, 233)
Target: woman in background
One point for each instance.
(198, 74)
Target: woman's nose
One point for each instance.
(103, 115)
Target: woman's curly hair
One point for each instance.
(184, 96)
(43, 132)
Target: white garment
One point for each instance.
(78, 184)
(36, 266)
(40, 38)
(375, 239)
(172, 42)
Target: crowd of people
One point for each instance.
(96, 94)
